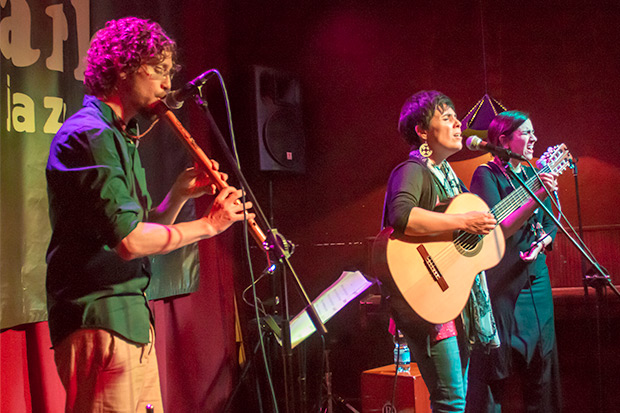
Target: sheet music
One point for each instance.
(348, 286)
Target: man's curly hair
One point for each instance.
(418, 110)
(122, 46)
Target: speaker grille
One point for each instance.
(279, 126)
(284, 139)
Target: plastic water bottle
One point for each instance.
(402, 355)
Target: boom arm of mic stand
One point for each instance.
(561, 228)
(316, 320)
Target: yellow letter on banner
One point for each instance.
(15, 31)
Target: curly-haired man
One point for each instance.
(103, 226)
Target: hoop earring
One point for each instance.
(425, 150)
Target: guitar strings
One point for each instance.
(513, 201)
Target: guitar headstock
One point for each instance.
(556, 158)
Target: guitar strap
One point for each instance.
(498, 164)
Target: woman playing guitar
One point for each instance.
(519, 286)
(428, 123)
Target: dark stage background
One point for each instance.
(356, 62)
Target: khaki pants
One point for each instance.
(102, 372)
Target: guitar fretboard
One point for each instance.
(517, 198)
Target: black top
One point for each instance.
(512, 275)
(411, 184)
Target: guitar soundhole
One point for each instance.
(467, 244)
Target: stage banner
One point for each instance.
(43, 45)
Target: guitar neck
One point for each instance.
(517, 198)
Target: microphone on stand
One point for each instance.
(474, 143)
(176, 98)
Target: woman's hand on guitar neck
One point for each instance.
(515, 220)
(476, 222)
(550, 180)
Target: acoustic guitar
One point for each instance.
(435, 273)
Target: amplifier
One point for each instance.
(411, 393)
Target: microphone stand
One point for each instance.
(596, 279)
(592, 262)
(579, 223)
(274, 243)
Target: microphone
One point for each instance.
(474, 143)
(176, 98)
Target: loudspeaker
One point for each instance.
(279, 127)
(411, 394)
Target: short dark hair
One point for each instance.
(123, 45)
(505, 124)
(418, 110)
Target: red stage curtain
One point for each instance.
(29, 381)
(195, 347)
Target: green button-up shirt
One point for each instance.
(97, 196)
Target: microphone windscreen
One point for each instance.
(473, 143)
(171, 101)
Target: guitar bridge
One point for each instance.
(432, 268)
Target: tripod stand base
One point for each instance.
(411, 392)
(337, 405)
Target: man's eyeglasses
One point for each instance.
(158, 72)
